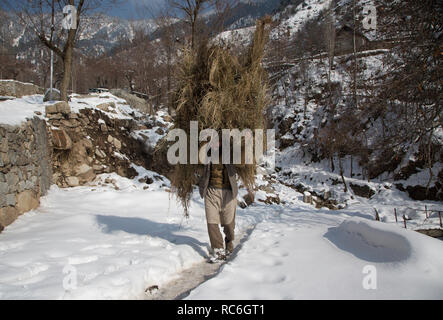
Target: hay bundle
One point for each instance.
(220, 91)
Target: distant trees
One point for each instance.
(400, 106)
(43, 18)
(192, 10)
(412, 89)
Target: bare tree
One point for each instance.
(330, 35)
(43, 18)
(192, 10)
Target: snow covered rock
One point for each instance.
(55, 96)
(18, 89)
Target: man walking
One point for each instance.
(218, 187)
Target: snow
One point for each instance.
(14, 112)
(116, 238)
(118, 241)
(307, 10)
(297, 254)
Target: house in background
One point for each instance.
(344, 40)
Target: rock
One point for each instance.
(88, 144)
(4, 145)
(54, 97)
(72, 181)
(99, 153)
(61, 140)
(27, 200)
(4, 188)
(103, 127)
(134, 101)
(51, 109)
(167, 118)
(85, 173)
(4, 159)
(160, 131)
(54, 116)
(326, 195)
(362, 190)
(73, 123)
(117, 143)
(10, 200)
(12, 180)
(434, 233)
(12, 88)
(267, 188)
(8, 215)
(63, 107)
(98, 168)
(110, 138)
(307, 197)
(106, 106)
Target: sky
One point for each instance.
(128, 9)
(135, 9)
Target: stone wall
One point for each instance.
(12, 88)
(89, 142)
(25, 168)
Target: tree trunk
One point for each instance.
(332, 163)
(340, 164)
(67, 69)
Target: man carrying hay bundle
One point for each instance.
(219, 91)
(218, 187)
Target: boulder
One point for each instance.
(55, 95)
(27, 200)
(12, 88)
(8, 215)
(72, 181)
(99, 153)
(134, 101)
(63, 107)
(117, 143)
(307, 197)
(61, 140)
(11, 200)
(85, 173)
(364, 191)
(106, 106)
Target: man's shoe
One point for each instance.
(218, 255)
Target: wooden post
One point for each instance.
(404, 220)
(377, 216)
(395, 213)
(439, 215)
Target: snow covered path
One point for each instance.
(96, 242)
(102, 242)
(301, 254)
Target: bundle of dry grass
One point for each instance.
(220, 91)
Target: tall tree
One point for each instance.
(58, 33)
(192, 10)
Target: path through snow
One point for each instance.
(99, 242)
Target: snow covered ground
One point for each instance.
(113, 239)
(97, 242)
(15, 111)
(297, 253)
